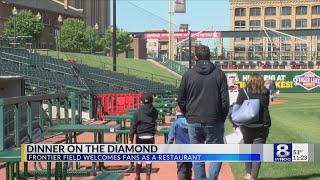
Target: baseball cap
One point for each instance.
(147, 97)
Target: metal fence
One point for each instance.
(20, 117)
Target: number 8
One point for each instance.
(282, 150)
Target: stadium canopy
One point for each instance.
(47, 5)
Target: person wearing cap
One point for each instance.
(143, 127)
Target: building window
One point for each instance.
(301, 23)
(255, 11)
(240, 39)
(255, 23)
(258, 48)
(303, 37)
(286, 47)
(286, 23)
(286, 10)
(270, 23)
(270, 11)
(255, 39)
(240, 24)
(301, 10)
(240, 12)
(316, 22)
(316, 9)
(301, 47)
(239, 48)
(285, 38)
(152, 44)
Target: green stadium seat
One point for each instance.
(61, 75)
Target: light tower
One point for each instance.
(171, 33)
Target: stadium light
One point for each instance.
(39, 16)
(190, 46)
(114, 36)
(60, 21)
(14, 13)
(96, 26)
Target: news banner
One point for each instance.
(171, 152)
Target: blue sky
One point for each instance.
(200, 15)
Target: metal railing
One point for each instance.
(246, 64)
(171, 64)
(269, 55)
(22, 109)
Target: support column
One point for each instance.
(73, 107)
(1, 125)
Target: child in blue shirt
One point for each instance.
(179, 134)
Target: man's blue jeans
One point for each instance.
(201, 133)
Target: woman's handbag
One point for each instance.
(246, 113)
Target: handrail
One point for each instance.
(103, 82)
(76, 72)
(50, 82)
(69, 101)
(119, 80)
(25, 99)
(157, 75)
(39, 65)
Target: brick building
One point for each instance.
(91, 11)
(277, 15)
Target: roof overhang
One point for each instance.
(48, 5)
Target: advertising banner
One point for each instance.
(180, 6)
(182, 35)
(286, 81)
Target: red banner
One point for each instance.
(180, 6)
(182, 35)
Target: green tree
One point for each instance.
(72, 35)
(27, 24)
(92, 38)
(123, 40)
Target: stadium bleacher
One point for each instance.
(43, 73)
(67, 86)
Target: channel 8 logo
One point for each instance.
(282, 152)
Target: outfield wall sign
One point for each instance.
(286, 81)
(308, 80)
